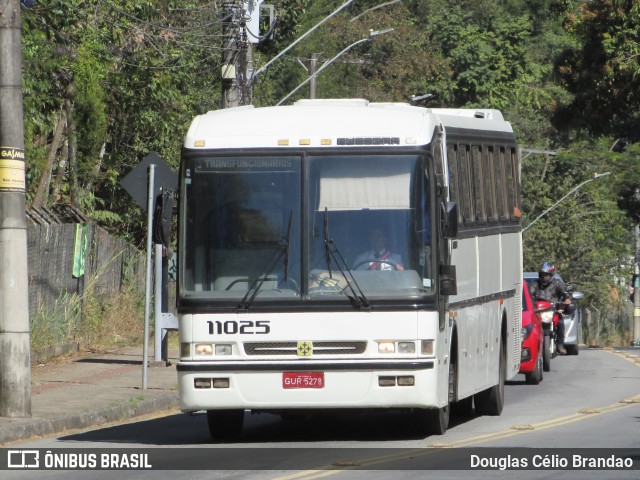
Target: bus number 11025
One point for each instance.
(243, 327)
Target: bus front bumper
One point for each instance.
(308, 385)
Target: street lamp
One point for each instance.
(597, 175)
(372, 34)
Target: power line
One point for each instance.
(155, 25)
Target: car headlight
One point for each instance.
(526, 331)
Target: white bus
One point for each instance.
(287, 304)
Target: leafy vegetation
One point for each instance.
(90, 320)
(117, 80)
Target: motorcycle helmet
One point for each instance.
(546, 273)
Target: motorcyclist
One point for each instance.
(553, 290)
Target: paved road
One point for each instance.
(588, 401)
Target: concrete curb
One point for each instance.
(37, 427)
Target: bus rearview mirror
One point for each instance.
(162, 218)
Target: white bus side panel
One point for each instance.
(485, 266)
(512, 279)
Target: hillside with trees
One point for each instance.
(107, 82)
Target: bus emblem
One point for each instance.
(305, 349)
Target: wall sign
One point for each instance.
(12, 169)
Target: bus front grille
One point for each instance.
(291, 348)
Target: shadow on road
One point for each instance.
(183, 429)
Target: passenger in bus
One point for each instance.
(379, 257)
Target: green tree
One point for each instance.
(118, 80)
(392, 67)
(501, 55)
(602, 71)
(588, 235)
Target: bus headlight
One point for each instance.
(203, 349)
(406, 347)
(208, 349)
(223, 349)
(386, 347)
(389, 346)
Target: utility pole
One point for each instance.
(312, 75)
(307, 33)
(636, 292)
(231, 53)
(15, 358)
(372, 35)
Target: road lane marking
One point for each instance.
(328, 470)
(552, 423)
(433, 448)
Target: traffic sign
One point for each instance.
(137, 180)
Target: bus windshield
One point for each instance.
(256, 230)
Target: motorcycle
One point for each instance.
(550, 315)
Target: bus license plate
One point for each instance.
(303, 380)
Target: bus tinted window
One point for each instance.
(501, 191)
(242, 221)
(478, 186)
(465, 184)
(489, 180)
(510, 174)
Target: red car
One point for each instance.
(532, 340)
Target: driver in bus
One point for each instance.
(379, 257)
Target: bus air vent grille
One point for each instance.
(291, 348)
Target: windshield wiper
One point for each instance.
(361, 299)
(256, 285)
(327, 249)
(287, 247)
(260, 279)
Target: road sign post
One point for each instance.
(157, 176)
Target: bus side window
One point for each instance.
(503, 208)
(488, 175)
(478, 185)
(512, 184)
(465, 184)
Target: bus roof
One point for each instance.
(333, 122)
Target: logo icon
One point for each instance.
(23, 459)
(305, 349)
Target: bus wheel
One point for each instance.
(225, 424)
(436, 420)
(463, 408)
(433, 420)
(491, 400)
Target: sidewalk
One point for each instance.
(90, 389)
